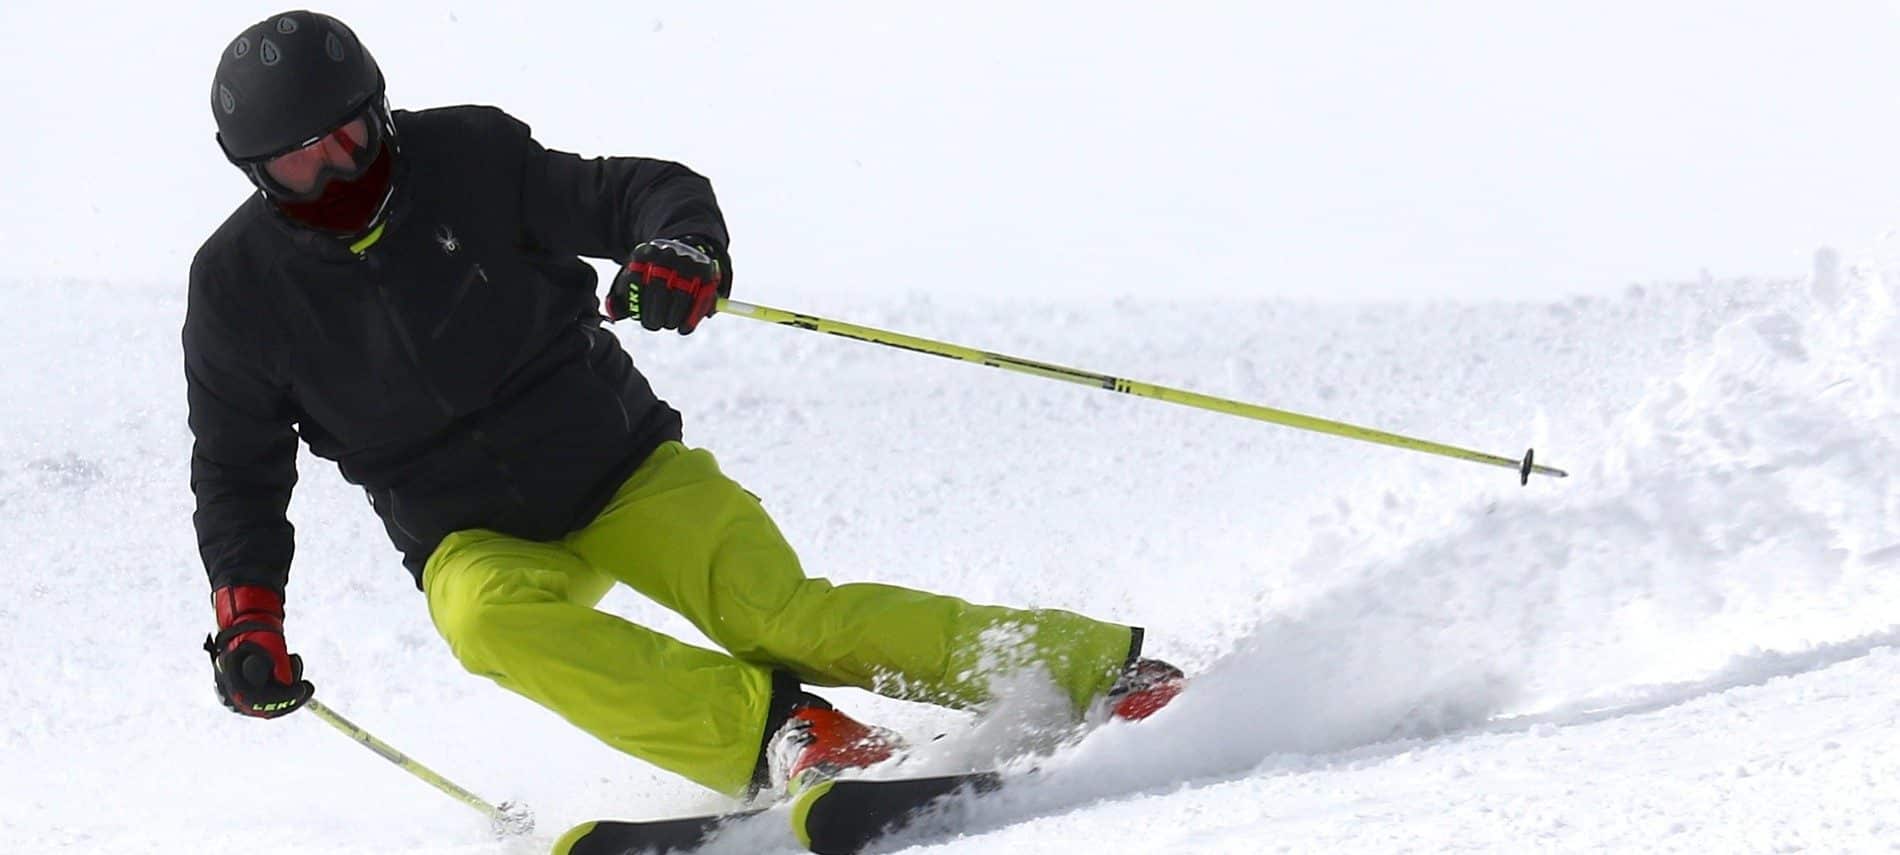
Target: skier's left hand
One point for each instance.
(669, 284)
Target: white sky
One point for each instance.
(1367, 150)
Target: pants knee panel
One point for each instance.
(476, 590)
(757, 620)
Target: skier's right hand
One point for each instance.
(256, 674)
(670, 284)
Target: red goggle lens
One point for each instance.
(341, 153)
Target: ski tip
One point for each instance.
(1524, 472)
(566, 843)
(802, 803)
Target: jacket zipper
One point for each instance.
(461, 292)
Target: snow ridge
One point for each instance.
(1739, 528)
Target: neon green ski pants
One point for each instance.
(678, 531)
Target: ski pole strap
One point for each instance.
(1524, 466)
(506, 818)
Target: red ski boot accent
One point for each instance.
(1144, 689)
(816, 743)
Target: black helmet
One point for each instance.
(286, 80)
(297, 94)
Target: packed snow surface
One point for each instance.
(1689, 644)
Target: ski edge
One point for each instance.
(842, 817)
(657, 836)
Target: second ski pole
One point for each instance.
(1525, 466)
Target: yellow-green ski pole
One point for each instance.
(1525, 467)
(505, 818)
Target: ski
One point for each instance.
(842, 817)
(835, 817)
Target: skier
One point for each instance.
(403, 291)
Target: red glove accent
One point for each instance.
(697, 292)
(668, 284)
(255, 604)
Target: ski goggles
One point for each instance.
(343, 153)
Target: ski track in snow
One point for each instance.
(1687, 645)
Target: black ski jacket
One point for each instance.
(456, 371)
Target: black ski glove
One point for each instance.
(670, 283)
(255, 674)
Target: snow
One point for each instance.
(1689, 645)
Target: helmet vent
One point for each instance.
(333, 47)
(268, 52)
(286, 25)
(241, 48)
(226, 100)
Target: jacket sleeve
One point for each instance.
(244, 454)
(602, 207)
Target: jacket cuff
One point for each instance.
(254, 603)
